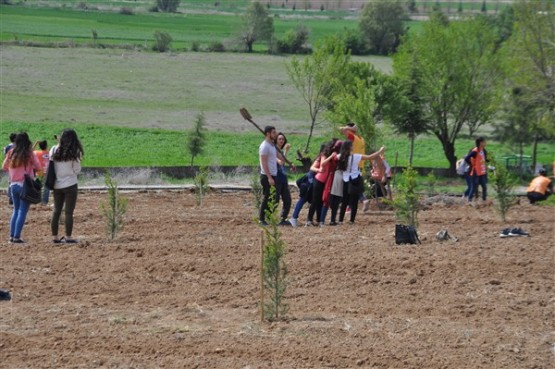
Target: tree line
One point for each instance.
(451, 75)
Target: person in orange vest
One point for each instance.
(43, 156)
(477, 159)
(540, 188)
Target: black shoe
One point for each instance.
(333, 223)
(284, 223)
(17, 240)
(5, 295)
(262, 223)
(518, 232)
(505, 233)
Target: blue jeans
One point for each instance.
(468, 180)
(20, 209)
(479, 181)
(298, 207)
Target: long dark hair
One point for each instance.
(344, 155)
(70, 147)
(284, 139)
(20, 154)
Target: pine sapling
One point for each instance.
(274, 270)
(256, 190)
(114, 209)
(201, 185)
(406, 202)
(503, 184)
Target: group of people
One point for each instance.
(20, 159)
(335, 180)
(474, 166)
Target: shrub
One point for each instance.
(168, 6)
(216, 46)
(274, 270)
(82, 5)
(294, 41)
(163, 41)
(153, 9)
(195, 46)
(354, 42)
(126, 10)
(197, 138)
(114, 210)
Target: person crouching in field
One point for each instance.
(67, 157)
(19, 161)
(540, 188)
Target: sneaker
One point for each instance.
(366, 206)
(321, 224)
(518, 232)
(505, 233)
(294, 222)
(333, 223)
(284, 223)
(310, 224)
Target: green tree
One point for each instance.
(459, 77)
(531, 62)
(115, 208)
(168, 6)
(257, 26)
(197, 138)
(382, 24)
(406, 202)
(315, 77)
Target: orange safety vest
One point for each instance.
(539, 184)
(478, 163)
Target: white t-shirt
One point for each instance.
(268, 149)
(66, 171)
(352, 171)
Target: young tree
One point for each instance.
(257, 26)
(382, 24)
(197, 138)
(115, 208)
(531, 51)
(314, 77)
(460, 73)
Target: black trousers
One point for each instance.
(266, 199)
(64, 198)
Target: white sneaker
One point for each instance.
(294, 222)
(366, 206)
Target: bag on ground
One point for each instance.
(31, 190)
(406, 234)
(50, 176)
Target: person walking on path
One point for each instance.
(66, 157)
(268, 157)
(349, 164)
(18, 162)
(540, 188)
(477, 158)
(43, 157)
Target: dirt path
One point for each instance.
(179, 289)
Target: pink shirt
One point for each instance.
(17, 175)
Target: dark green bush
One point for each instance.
(163, 41)
(216, 46)
(126, 10)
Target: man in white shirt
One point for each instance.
(268, 155)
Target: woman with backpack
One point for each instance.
(19, 161)
(66, 158)
(353, 184)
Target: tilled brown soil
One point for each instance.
(179, 288)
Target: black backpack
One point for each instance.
(406, 234)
